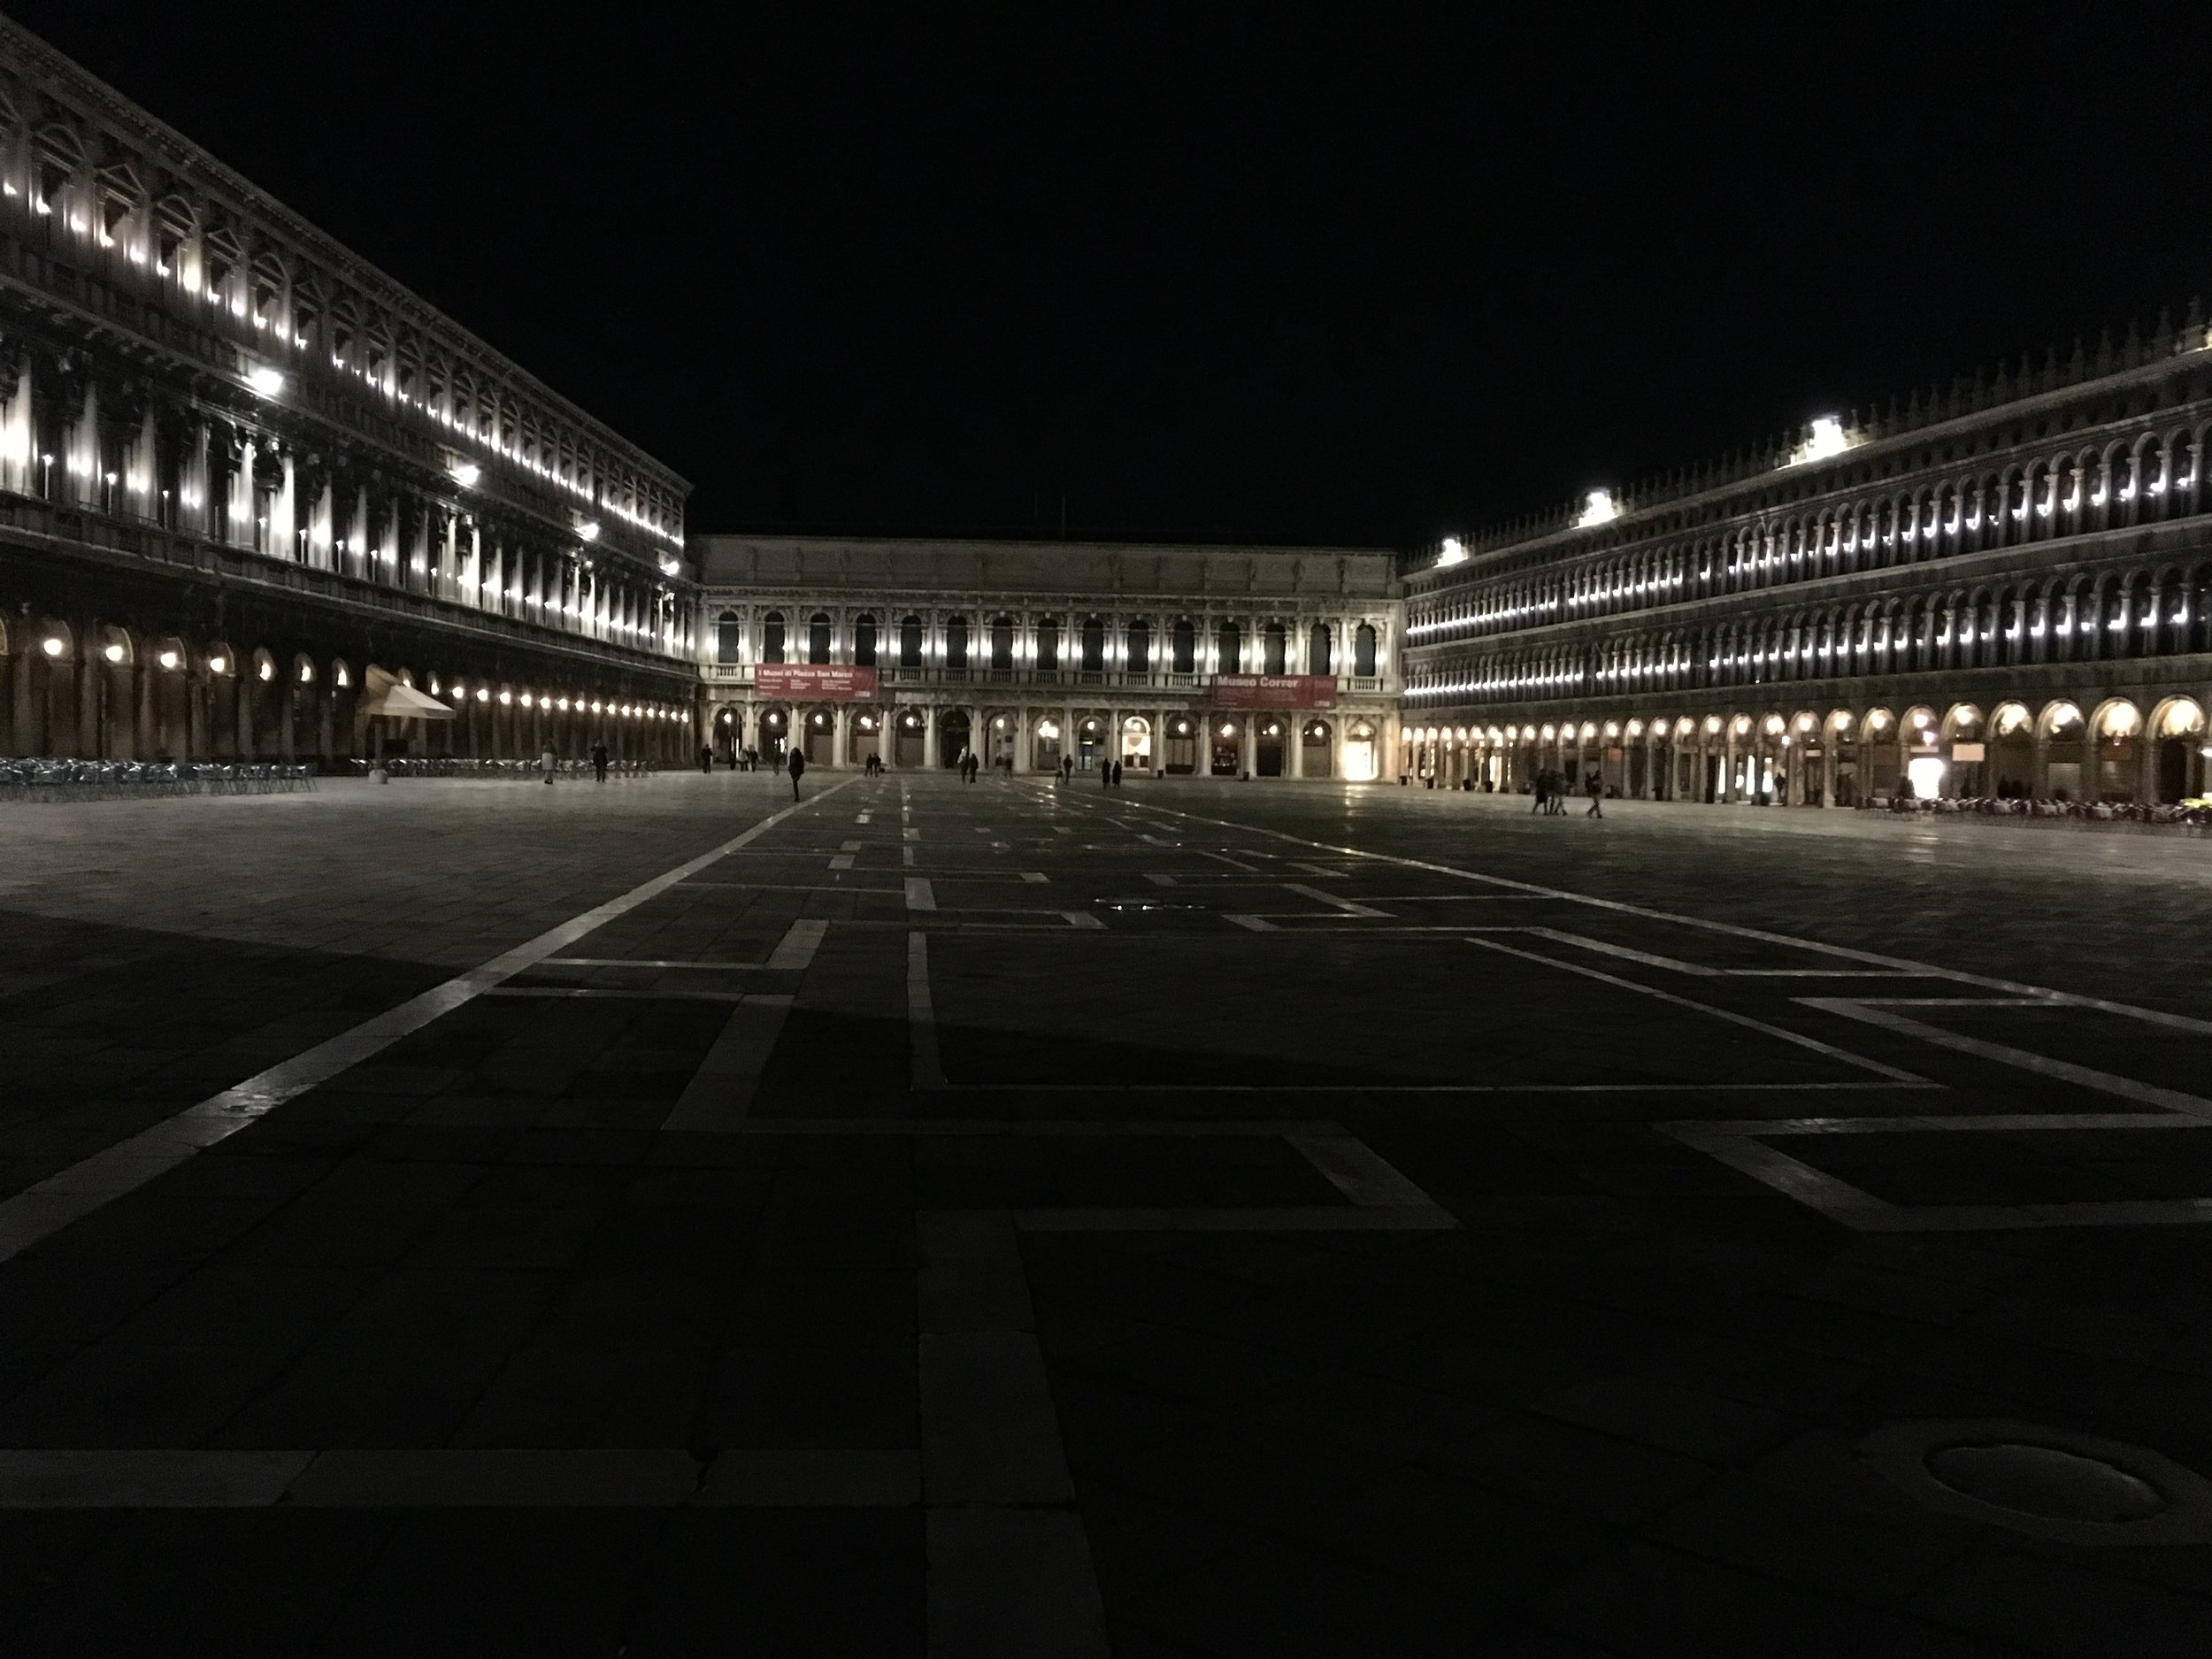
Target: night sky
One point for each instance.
(1244, 275)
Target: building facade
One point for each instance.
(1270, 662)
(2006, 589)
(240, 467)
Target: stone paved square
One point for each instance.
(1516, 1241)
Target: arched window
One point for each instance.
(1317, 654)
(1228, 649)
(729, 637)
(772, 637)
(1185, 647)
(910, 642)
(1364, 649)
(1048, 644)
(865, 639)
(1002, 645)
(956, 641)
(1139, 646)
(1275, 654)
(817, 637)
(1093, 645)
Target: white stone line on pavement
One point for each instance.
(1082, 918)
(617, 992)
(1349, 907)
(841, 861)
(720, 1091)
(1009, 1564)
(1742, 1146)
(50, 1205)
(769, 887)
(1158, 880)
(919, 895)
(906, 856)
(1796, 1038)
(1850, 1086)
(925, 1071)
(848, 846)
(650, 962)
(2179, 1022)
(1360, 1173)
(794, 951)
(1048, 1129)
(2004, 1054)
(642, 1477)
(1676, 964)
(1035, 878)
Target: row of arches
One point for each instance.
(87, 192)
(2143, 476)
(119, 447)
(99, 690)
(1026, 737)
(2117, 614)
(1003, 642)
(2117, 748)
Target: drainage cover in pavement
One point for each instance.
(2047, 1482)
(2043, 1480)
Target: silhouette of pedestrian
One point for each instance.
(1595, 789)
(599, 761)
(1543, 792)
(798, 766)
(706, 759)
(1116, 774)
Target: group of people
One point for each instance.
(549, 763)
(1108, 773)
(1553, 788)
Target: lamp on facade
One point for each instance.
(265, 380)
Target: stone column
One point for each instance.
(1248, 745)
(929, 736)
(1021, 739)
(1294, 757)
(840, 722)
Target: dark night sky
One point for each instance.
(1244, 275)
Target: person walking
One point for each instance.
(548, 763)
(1595, 787)
(1543, 794)
(706, 760)
(1116, 774)
(599, 760)
(798, 766)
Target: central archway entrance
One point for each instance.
(1271, 749)
(1313, 752)
(908, 738)
(952, 736)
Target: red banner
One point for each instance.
(1274, 691)
(814, 682)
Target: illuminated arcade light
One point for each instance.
(113, 653)
(218, 664)
(167, 659)
(466, 472)
(588, 532)
(265, 380)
